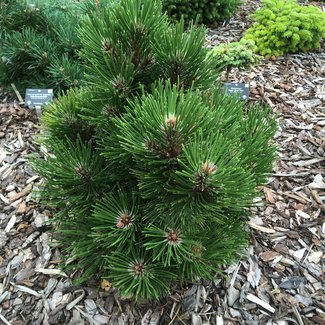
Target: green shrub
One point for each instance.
(153, 186)
(235, 55)
(39, 42)
(286, 27)
(202, 11)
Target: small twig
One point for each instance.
(77, 300)
(233, 279)
(172, 310)
(176, 315)
(118, 303)
(291, 175)
(21, 101)
(181, 320)
(308, 252)
(295, 311)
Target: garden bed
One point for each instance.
(281, 279)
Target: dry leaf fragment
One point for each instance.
(21, 208)
(105, 285)
(285, 86)
(26, 190)
(281, 248)
(316, 241)
(268, 195)
(268, 256)
(22, 225)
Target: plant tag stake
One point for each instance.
(38, 98)
(240, 90)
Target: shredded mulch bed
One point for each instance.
(279, 281)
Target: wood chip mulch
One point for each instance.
(279, 281)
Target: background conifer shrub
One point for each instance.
(39, 42)
(154, 186)
(235, 55)
(202, 11)
(284, 26)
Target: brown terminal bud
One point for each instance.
(106, 46)
(173, 237)
(124, 220)
(170, 121)
(108, 109)
(118, 84)
(209, 168)
(83, 173)
(137, 269)
(196, 250)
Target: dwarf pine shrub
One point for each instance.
(149, 166)
(201, 11)
(284, 26)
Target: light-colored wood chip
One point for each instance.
(260, 302)
(261, 228)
